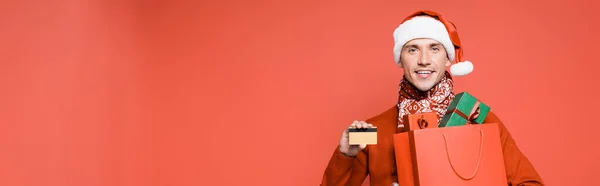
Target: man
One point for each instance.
(425, 45)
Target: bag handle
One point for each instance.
(478, 161)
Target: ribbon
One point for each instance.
(471, 115)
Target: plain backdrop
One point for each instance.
(235, 92)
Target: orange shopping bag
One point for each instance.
(460, 156)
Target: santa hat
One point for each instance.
(429, 24)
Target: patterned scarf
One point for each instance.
(413, 101)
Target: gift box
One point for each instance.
(469, 155)
(419, 121)
(462, 109)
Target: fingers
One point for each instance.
(362, 146)
(360, 124)
(363, 124)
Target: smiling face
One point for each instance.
(424, 62)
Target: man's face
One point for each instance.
(424, 62)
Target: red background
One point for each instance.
(240, 92)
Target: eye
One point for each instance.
(412, 50)
(435, 48)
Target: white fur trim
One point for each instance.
(461, 68)
(422, 27)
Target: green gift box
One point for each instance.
(461, 109)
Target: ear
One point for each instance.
(448, 62)
(400, 64)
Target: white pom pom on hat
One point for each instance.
(429, 24)
(461, 69)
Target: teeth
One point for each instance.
(423, 72)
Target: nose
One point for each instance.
(424, 59)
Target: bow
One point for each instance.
(472, 115)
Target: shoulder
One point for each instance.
(492, 118)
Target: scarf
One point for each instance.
(414, 101)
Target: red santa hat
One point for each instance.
(429, 24)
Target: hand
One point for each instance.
(345, 147)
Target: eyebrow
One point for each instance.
(416, 46)
(411, 46)
(435, 44)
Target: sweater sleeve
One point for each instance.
(344, 170)
(519, 170)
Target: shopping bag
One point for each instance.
(411, 122)
(460, 156)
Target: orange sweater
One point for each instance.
(377, 161)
